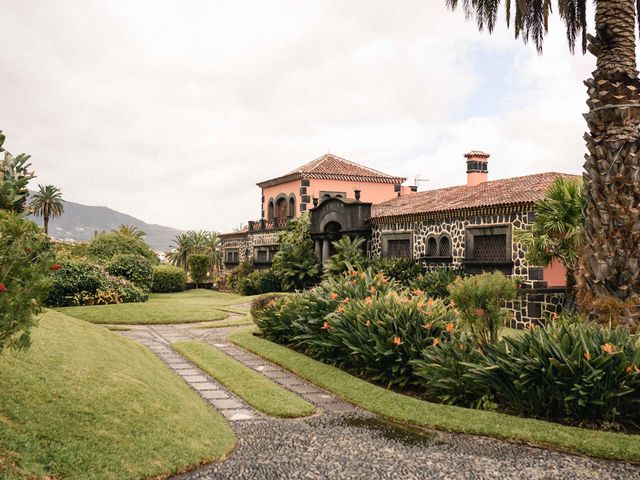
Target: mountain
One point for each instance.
(80, 222)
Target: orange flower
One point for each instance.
(480, 312)
(272, 303)
(340, 309)
(346, 300)
(326, 326)
(554, 316)
(418, 292)
(436, 341)
(333, 295)
(608, 348)
(450, 327)
(373, 289)
(396, 341)
(354, 273)
(55, 266)
(362, 275)
(427, 325)
(368, 300)
(628, 370)
(404, 300)
(430, 302)
(587, 355)
(420, 304)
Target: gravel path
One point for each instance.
(346, 442)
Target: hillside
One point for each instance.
(79, 222)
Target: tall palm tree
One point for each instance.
(181, 250)
(47, 203)
(558, 231)
(611, 259)
(195, 242)
(130, 231)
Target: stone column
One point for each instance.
(318, 245)
(325, 251)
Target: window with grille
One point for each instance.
(262, 255)
(445, 247)
(490, 248)
(432, 247)
(399, 248)
(232, 256)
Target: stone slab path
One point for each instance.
(346, 442)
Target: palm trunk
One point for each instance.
(46, 225)
(612, 168)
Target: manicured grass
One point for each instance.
(410, 410)
(228, 322)
(85, 403)
(182, 307)
(254, 388)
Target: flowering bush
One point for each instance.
(362, 322)
(25, 267)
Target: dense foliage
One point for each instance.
(201, 242)
(403, 270)
(136, 268)
(260, 303)
(25, 265)
(83, 283)
(295, 263)
(435, 284)
(572, 372)
(259, 281)
(362, 322)
(167, 278)
(14, 178)
(480, 301)
(349, 255)
(105, 246)
(198, 266)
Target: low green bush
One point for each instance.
(134, 268)
(105, 246)
(259, 281)
(403, 270)
(25, 263)
(260, 303)
(75, 277)
(167, 278)
(361, 322)
(480, 301)
(198, 266)
(435, 284)
(128, 291)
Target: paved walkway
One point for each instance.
(346, 442)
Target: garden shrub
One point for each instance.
(403, 270)
(295, 263)
(480, 301)
(70, 251)
(105, 246)
(199, 264)
(167, 278)
(361, 322)
(260, 303)
(25, 267)
(128, 291)
(74, 278)
(435, 284)
(135, 268)
(349, 256)
(259, 281)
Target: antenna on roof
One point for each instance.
(417, 180)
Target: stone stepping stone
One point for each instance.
(300, 389)
(201, 387)
(214, 394)
(225, 403)
(240, 414)
(181, 366)
(197, 378)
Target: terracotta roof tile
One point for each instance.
(332, 167)
(516, 190)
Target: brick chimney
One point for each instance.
(477, 167)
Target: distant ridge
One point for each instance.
(79, 222)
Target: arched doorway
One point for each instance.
(281, 208)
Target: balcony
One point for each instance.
(265, 225)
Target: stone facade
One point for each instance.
(247, 244)
(534, 307)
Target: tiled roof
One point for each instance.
(331, 167)
(509, 191)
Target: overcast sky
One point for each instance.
(171, 111)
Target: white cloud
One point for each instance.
(171, 111)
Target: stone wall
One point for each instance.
(535, 307)
(246, 245)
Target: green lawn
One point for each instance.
(402, 408)
(183, 307)
(85, 403)
(255, 389)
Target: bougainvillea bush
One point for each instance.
(362, 322)
(25, 265)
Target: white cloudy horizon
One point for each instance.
(172, 111)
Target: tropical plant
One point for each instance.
(14, 178)
(25, 264)
(198, 266)
(196, 242)
(435, 284)
(130, 231)
(349, 255)
(480, 301)
(47, 203)
(258, 282)
(296, 263)
(404, 270)
(557, 231)
(105, 246)
(167, 278)
(611, 255)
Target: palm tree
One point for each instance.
(181, 250)
(47, 203)
(130, 231)
(195, 242)
(558, 231)
(611, 257)
(214, 250)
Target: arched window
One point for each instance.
(281, 208)
(270, 210)
(292, 207)
(445, 247)
(432, 247)
(326, 196)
